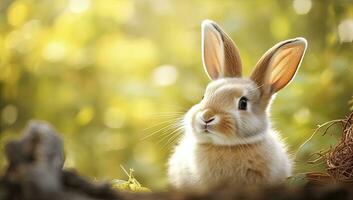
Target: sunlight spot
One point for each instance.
(345, 30)
(9, 114)
(85, 115)
(302, 7)
(79, 6)
(17, 13)
(54, 51)
(165, 75)
(302, 116)
(113, 117)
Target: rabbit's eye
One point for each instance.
(243, 103)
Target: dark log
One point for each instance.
(35, 169)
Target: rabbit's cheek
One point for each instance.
(226, 126)
(251, 125)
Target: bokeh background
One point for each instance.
(108, 73)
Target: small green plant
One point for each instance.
(131, 185)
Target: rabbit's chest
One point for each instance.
(229, 165)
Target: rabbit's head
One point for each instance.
(234, 109)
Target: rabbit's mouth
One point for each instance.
(207, 126)
(205, 129)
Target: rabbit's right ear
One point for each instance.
(220, 56)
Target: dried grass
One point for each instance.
(339, 159)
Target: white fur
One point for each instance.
(193, 170)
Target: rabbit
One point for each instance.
(228, 138)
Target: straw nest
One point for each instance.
(339, 159)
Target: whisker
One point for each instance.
(170, 135)
(171, 140)
(167, 134)
(158, 124)
(170, 106)
(256, 88)
(165, 115)
(157, 131)
(172, 112)
(175, 126)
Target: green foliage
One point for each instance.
(107, 73)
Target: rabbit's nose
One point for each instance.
(209, 120)
(207, 116)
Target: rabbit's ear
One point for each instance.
(278, 65)
(220, 56)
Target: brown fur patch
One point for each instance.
(233, 157)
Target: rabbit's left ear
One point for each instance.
(278, 65)
(220, 56)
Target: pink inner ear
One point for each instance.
(213, 54)
(220, 55)
(284, 65)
